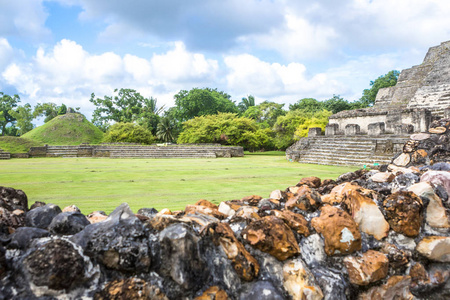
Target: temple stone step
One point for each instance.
(4, 155)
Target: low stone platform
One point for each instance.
(346, 150)
(138, 151)
(4, 155)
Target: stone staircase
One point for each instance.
(346, 150)
(62, 151)
(4, 155)
(158, 152)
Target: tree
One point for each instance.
(62, 109)
(165, 130)
(23, 116)
(337, 104)
(307, 105)
(127, 106)
(369, 95)
(318, 119)
(201, 102)
(246, 103)
(266, 113)
(128, 133)
(7, 103)
(49, 110)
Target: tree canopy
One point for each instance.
(128, 133)
(387, 80)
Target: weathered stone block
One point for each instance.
(352, 129)
(447, 112)
(376, 128)
(315, 131)
(402, 129)
(331, 129)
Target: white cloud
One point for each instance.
(6, 53)
(68, 74)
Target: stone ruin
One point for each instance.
(371, 234)
(420, 97)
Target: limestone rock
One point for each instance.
(334, 285)
(340, 192)
(57, 265)
(247, 212)
(340, 231)
(371, 267)
(252, 200)
(71, 208)
(436, 214)
(68, 223)
(312, 250)
(262, 290)
(436, 248)
(441, 178)
(213, 293)
(312, 182)
(299, 282)
(382, 177)
(397, 257)
(305, 199)
(277, 195)
(41, 217)
(23, 236)
(437, 130)
(130, 288)
(404, 212)
(12, 199)
(295, 221)
(420, 136)
(271, 235)
(204, 209)
(119, 242)
(96, 217)
(180, 255)
(402, 160)
(245, 265)
(164, 211)
(225, 209)
(396, 288)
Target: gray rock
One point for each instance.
(23, 236)
(333, 283)
(148, 212)
(41, 217)
(68, 223)
(404, 181)
(12, 199)
(261, 290)
(119, 242)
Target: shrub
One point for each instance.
(128, 133)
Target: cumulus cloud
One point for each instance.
(69, 74)
(23, 18)
(6, 53)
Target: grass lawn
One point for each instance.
(103, 184)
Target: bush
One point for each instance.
(128, 133)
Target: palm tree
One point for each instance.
(164, 130)
(246, 103)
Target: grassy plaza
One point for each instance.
(103, 184)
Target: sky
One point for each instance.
(61, 51)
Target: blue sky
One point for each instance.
(61, 51)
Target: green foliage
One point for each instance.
(246, 103)
(337, 104)
(165, 130)
(266, 113)
(49, 110)
(309, 105)
(126, 106)
(14, 144)
(318, 119)
(7, 103)
(201, 102)
(128, 133)
(261, 139)
(387, 80)
(62, 109)
(23, 116)
(68, 129)
(286, 126)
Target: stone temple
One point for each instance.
(372, 135)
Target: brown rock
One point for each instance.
(244, 264)
(295, 221)
(206, 203)
(423, 281)
(226, 209)
(299, 282)
(96, 216)
(130, 288)
(164, 211)
(213, 293)
(277, 195)
(339, 193)
(419, 157)
(71, 208)
(404, 212)
(252, 200)
(397, 257)
(247, 212)
(11, 220)
(340, 231)
(396, 288)
(410, 146)
(402, 160)
(12, 199)
(312, 182)
(305, 199)
(436, 214)
(435, 248)
(371, 267)
(382, 177)
(272, 236)
(206, 210)
(437, 130)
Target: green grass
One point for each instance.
(68, 129)
(14, 144)
(103, 184)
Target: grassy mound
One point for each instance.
(13, 144)
(68, 129)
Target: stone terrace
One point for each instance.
(4, 155)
